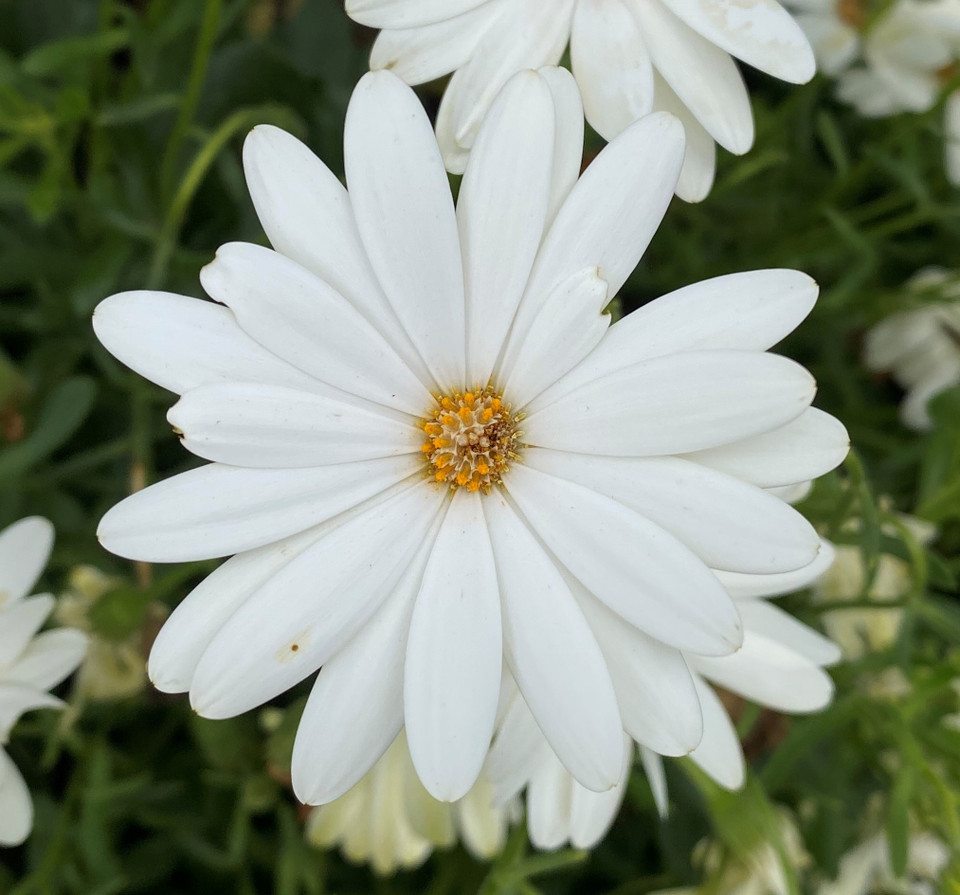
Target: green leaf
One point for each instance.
(898, 819)
(62, 414)
(53, 58)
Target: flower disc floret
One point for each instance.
(471, 438)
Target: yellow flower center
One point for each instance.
(470, 439)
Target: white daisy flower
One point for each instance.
(904, 53)
(31, 664)
(780, 666)
(833, 29)
(921, 348)
(866, 870)
(422, 425)
(391, 822)
(630, 57)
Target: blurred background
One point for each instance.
(121, 123)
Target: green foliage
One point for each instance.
(121, 123)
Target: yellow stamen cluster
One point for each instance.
(470, 440)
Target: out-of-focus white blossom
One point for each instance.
(921, 348)
(111, 669)
(390, 821)
(870, 629)
(865, 870)
(759, 871)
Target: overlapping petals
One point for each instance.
(781, 666)
(31, 663)
(592, 570)
(629, 58)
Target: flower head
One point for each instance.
(629, 58)
(433, 454)
(30, 663)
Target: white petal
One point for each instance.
(610, 215)
(19, 622)
(16, 699)
(218, 510)
(16, 807)
(653, 768)
(747, 587)
(203, 612)
(268, 427)
(514, 755)
(769, 673)
(728, 524)
(302, 319)
(182, 343)
(455, 156)
(762, 33)
(676, 404)
(501, 213)
(483, 826)
(404, 14)
(355, 710)
(549, 799)
(405, 215)
(566, 329)
(593, 813)
(527, 34)
(702, 75)
(749, 311)
(569, 129)
(771, 622)
(657, 698)
(636, 568)
(427, 52)
(553, 655)
(700, 160)
(611, 65)
(24, 550)
(719, 753)
(454, 653)
(301, 616)
(306, 214)
(49, 658)
(807, 447)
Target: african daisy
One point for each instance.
(423, 426)
(629, 57)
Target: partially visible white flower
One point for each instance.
(630, 57)
(391, 822)
(30, 663)
(833, 29)
(865, 870)
(859, 631)
(758, 870)
(111, 669)
(780, 666)
(904, 53)
(921, 347)
(898, 63)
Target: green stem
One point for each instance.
(198, 72)
(166, 240)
